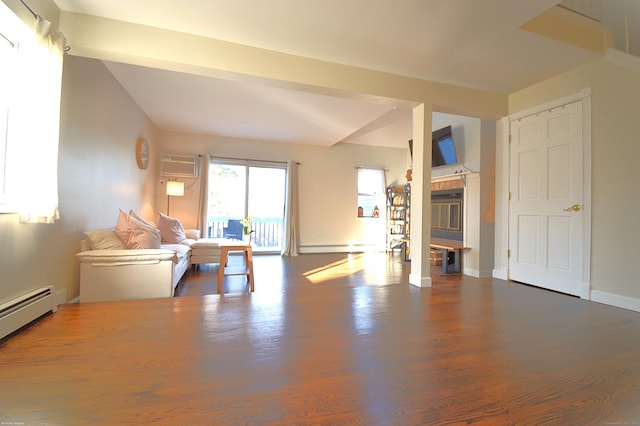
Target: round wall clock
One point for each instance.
(142, 153)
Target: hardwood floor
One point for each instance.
(328, 339)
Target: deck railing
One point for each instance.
(268, 232)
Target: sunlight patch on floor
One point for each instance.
(370, 267)
(338, 269)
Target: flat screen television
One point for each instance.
(443, 151)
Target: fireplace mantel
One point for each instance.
(453, 181)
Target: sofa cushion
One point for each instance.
(180, 249)
(144, 256)
(104, 239)
(171, 229)
(209, 243)
(136, 234)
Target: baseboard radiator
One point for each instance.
(21, 311)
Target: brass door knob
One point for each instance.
(573, 208)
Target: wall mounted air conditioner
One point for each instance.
(173, 165)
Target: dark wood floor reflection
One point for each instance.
(328, 339)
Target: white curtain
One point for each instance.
(34, 127)
(204, 195)
(291, 226)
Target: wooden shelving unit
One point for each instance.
(399, 219)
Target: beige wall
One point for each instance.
(615, 154)
(327, 184)
(97, 175)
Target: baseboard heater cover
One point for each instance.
(22, 310)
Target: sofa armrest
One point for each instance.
(192, 234)
(138, 256)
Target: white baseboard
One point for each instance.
(341, 248)
(615, 300)
(419, 281)
(500, 274)
(476, 273)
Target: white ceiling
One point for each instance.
(473, 43)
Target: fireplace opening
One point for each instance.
(446, 214)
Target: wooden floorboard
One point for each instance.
(328, 339)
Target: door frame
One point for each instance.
(503, 187)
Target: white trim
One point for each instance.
(419, 281)
(583, 96)
(586, 92)
(342, 248)
(616, 300)
(502, 216)
(477, 273)
(586, 196)
(500, 274)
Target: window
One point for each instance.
(446, 216)
(371, 192)
(8, 54)
(30, 91)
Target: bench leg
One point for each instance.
(455, 267)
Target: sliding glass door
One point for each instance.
(239, 189)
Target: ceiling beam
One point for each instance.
(119, 41)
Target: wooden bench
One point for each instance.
(451, 251)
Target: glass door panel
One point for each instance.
(237, 191)
(266, 200)
(227, 200)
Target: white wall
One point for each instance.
(466, 138)
(327, 186)
(97, 175)
(615, 153)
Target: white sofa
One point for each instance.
(122, 274)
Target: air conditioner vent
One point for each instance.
(179, 165)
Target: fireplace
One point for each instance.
(446, 214)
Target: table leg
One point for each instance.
(249, 263)
(223, 263)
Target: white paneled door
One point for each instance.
(546, 204)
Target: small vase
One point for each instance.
(246, 238)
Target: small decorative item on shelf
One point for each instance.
(376, 211)
(246, 228)
(360, 212)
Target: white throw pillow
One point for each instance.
(104, 239)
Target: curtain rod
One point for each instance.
(43, 25)
(371, 168)
(213, 157)
(35, 15)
